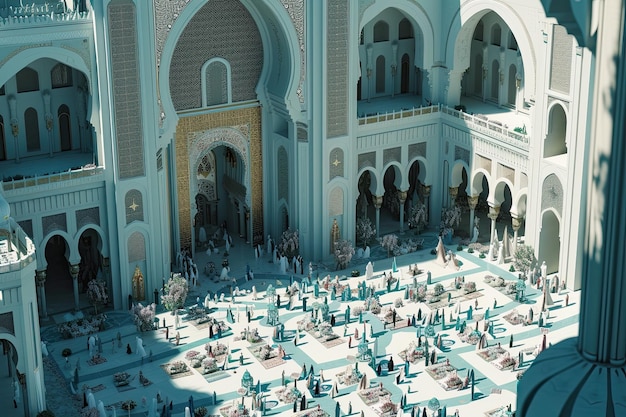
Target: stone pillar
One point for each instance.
(106, 274)
(454, 87)
(242, 220)
(472, 202)
(402, 196)
(40, 281)
(378, 202)
(584, 375)
(74, 268)
(426, 196)
(516, 223)
(493, 215)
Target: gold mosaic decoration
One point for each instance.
(248, 122)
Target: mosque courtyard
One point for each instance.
(478, 339)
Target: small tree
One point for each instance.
(176, 290)
(143, 316)
(389, 242)
(524, 258)
(97, 293)
(343, 253)
(364, 230)
(450, 219)
(289, 243)
(417, 217)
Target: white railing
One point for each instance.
(397, 114)
(86, 171)
(39, 14)
(482, 124)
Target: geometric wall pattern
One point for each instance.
(337, 67)
(136, 247)
(220, 29)
(54, 222)
(126, 90)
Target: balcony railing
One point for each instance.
(40, 13)
(482, 124)
(397, 114)
(17, 184)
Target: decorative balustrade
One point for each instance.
(478, 122)
(397, 114)
(481, 123)
(40, 14)
(73, 174)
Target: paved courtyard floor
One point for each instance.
(408, 387)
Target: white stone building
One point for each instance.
(126, 126)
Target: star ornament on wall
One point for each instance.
(336, 162)
(134, 206)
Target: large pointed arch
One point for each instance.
(280, 50)
(457, 44)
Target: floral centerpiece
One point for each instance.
(209, 365)
(469, 287)
(176, 290)
(216, 350)
(129, 405)
(412, 353)
(143, 316)
(373, 305)
(121, 378)
(82, 327)
(388, 407)
(289, 243)
(288, 394)
(453, 382)
(176, 367)
(97, 293)
(506, 362)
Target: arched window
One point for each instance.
(380, 74)
(405, 74)
(495, 79)
(478, 32)
(362, 37)
(61, 76)
(65, 127)
(32, 130)
(27, 80)
(405, 29)
(496, 35)
(3, 148)
(512, 86)
(554, 143)
(478, 75)
(381, 31)
(512, 42)
(216, 82)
